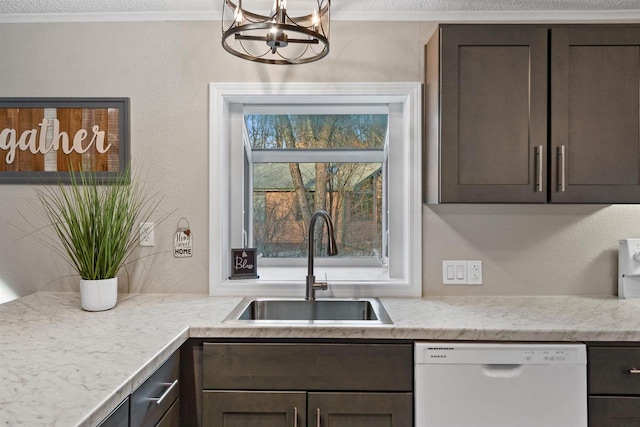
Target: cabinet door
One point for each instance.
(253, 409)
(360, 410)
(595, 116)
(493, 114)
(614, 411)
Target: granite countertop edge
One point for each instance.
(84, 364)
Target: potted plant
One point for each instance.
(97, 229)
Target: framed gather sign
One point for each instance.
(41, 139)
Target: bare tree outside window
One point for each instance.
(287, 194)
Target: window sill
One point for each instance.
(343, 282)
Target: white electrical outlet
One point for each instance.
(454, 272)
(474, 272)
(146, 234)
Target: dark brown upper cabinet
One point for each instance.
(490, 84)
(490, 135)
(595, 116)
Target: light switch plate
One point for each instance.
(451, 272)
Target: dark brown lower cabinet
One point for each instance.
(619, 411)
(154, 398)
(614, 384)
(302, 409)
(307, 384)
(155, 403)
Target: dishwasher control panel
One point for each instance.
(516, 354)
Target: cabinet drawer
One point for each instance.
(610, 370)
(146, 408)
(357, 367)
(119, 417)
(614, 411)
(172, 417)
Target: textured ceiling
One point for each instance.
(349, 8)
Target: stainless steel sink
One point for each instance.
(369, 311)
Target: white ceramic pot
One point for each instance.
(98, 295)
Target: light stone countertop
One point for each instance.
(61, 366)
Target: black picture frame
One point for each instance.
(247, 269)
(44, 177)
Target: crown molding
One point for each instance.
(538, 16)
(529, 16)
(25, 18)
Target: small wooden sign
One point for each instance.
(183, 240)
(243, 264)
(42, 138)
(182, 244)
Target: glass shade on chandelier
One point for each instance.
(275, 37)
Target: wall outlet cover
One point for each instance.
(146, 234)
(474, 272)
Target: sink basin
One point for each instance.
(297, 310)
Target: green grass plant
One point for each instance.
(97, 225)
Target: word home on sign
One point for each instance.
(182, 244)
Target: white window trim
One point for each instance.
(227, 99)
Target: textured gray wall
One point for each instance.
(165, 68)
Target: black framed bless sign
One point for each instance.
(243, 264)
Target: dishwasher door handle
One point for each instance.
(500, 370)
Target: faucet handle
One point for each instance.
(325, 283)
(320, 286)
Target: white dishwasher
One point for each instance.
(500, 385)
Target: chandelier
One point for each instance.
(276, 37)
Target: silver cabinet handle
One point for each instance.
(295, 416)
(634, 371)
(166, 392)
(561, 176)
(317, 417)
(539, 168)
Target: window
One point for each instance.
(299, 183)
(280, 153)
